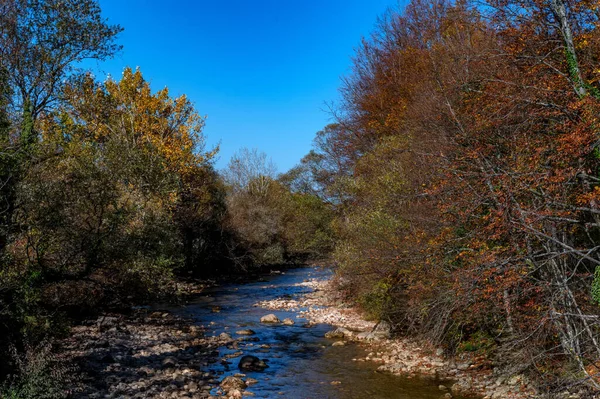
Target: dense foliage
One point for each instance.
(108, 193)
(457, 191)
(464, 165)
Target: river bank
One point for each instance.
(472, 375)
(143, 355)
(317, 347)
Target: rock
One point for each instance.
(251, 363)
(446, 396)
(382, 330)
(514, 380)
(461, 386)
(107, 322)
(463, 366)
(251, 381)
(339, 333)
(270, 318)
(169, 361)
(234, 394)
(443, 388)
(245, 332)
(225, 337)
(192, 387)
(338, 343)
(288, 322)
(230, 383)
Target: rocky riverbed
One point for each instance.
(144, 355)
(472, 375)
(282, 335)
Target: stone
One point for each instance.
(251, 363)
(251, 381)
(192, 386)
(245, 332)
(514, 380)
(270, 319)
(338, 343)
(339, 333)
(463, 366)
(288, 322)
(382, 329)
(234, 394)
(107, 322)
(230, 383)
(225, 337)
(443, 388)
(168, 362)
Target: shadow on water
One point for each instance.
(302, 363)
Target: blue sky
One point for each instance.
(262, 71)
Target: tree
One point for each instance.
(117, 170)
(41, 43)
(467, 140)
(249, 170)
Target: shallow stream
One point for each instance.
(302, 363)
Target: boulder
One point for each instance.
(270, 318)
(251, 363)
(288, 322)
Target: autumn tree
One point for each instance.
(116, 166)
(467, 139)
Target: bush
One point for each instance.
(38, 374)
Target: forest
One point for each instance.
(456, 194)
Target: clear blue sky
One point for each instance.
(260, 70)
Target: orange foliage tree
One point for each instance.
(468, 134)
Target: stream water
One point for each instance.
(302, 363)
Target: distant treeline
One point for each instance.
(108, 192)
(464, 167)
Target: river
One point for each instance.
(302, 363)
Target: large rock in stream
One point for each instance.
(270, 318)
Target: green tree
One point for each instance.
(41, 43)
